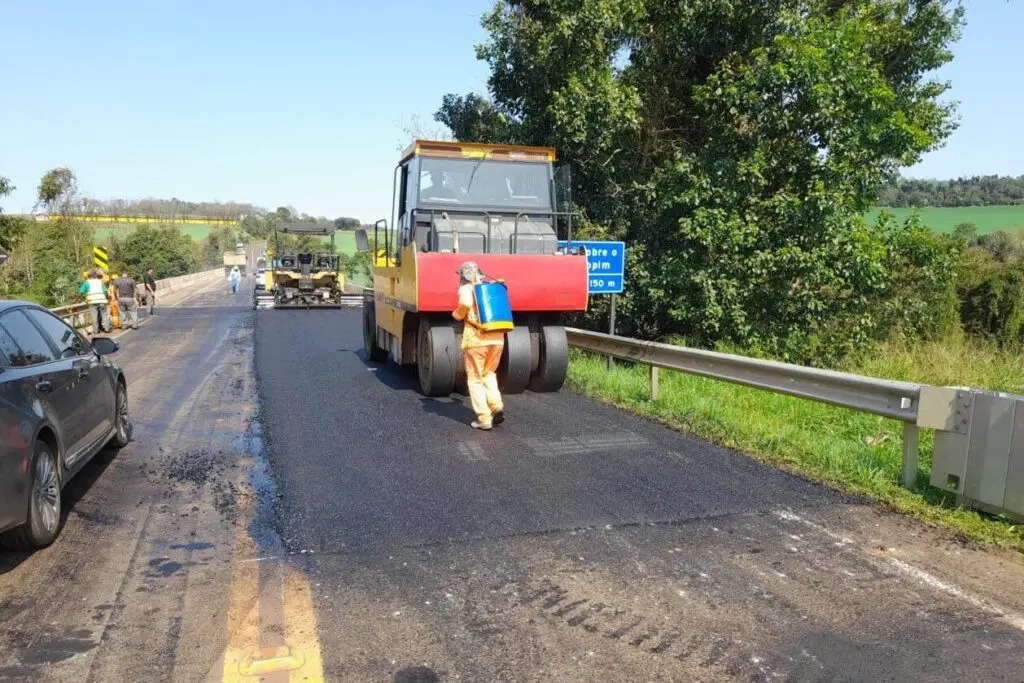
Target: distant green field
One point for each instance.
(987, 218)
(345, 241)
(197, 231)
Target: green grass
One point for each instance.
(988, 218)
(844, 449)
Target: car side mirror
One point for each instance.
(105, 346)
(362, 240)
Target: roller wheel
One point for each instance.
(437, 357)
(374, 353)
(514, 371)
(554, 360)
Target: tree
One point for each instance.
(254, 225)
(165, 249)
(967, 232)
(58, 191)
(346, 223)
(11, 227)
(58, 194)
(416, 129)
(734, 145)
(218, 242)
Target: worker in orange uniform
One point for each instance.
(481, 350)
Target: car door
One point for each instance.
(17, 426)
(45, 379)
(94, 389)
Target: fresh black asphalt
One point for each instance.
(573, 542)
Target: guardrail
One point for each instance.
(78, 316)
(979, 435)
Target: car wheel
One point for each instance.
(44, 505)
(122, 420)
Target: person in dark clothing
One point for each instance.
(125, 287)
(150, 283)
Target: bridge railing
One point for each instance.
(77, 315)
(979, 435)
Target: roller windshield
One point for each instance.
(486, 183)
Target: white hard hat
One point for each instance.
(468, 270)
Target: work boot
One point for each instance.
(480, 425)
(499, 416)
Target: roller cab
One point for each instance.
(504, 207)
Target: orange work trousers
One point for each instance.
(481, 368)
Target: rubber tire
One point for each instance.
(437, 356)
(374, 353)
(514, 370)
(26, 537)
(120, 440)
(554, 360)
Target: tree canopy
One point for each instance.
(167, 250)
(11, 227)
(989, 190)
(735, 146)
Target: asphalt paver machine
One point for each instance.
(301, 278)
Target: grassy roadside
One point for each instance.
(844, 449)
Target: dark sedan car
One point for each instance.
(61, 403)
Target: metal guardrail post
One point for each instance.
(911, 452)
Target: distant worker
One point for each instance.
(125, 286)
(481, 350)
(96, 297)
(112, 305)
(150, 283)
(236, 278)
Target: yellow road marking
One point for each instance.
(300, 626)
(244, 659)
(272, 660)
(243, 610)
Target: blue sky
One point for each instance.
(250, 101)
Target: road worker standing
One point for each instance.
(96, 296)
(481, 350)
(124, 290)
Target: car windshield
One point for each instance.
(485, 183)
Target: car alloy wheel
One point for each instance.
(122, 420)
(46, 494)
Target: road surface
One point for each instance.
(289, 512)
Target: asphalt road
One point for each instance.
(577, 543)
(288, 512)
(135, 588)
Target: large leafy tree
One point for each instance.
(165, 249)
(735, 145)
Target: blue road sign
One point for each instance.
(607, 262)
